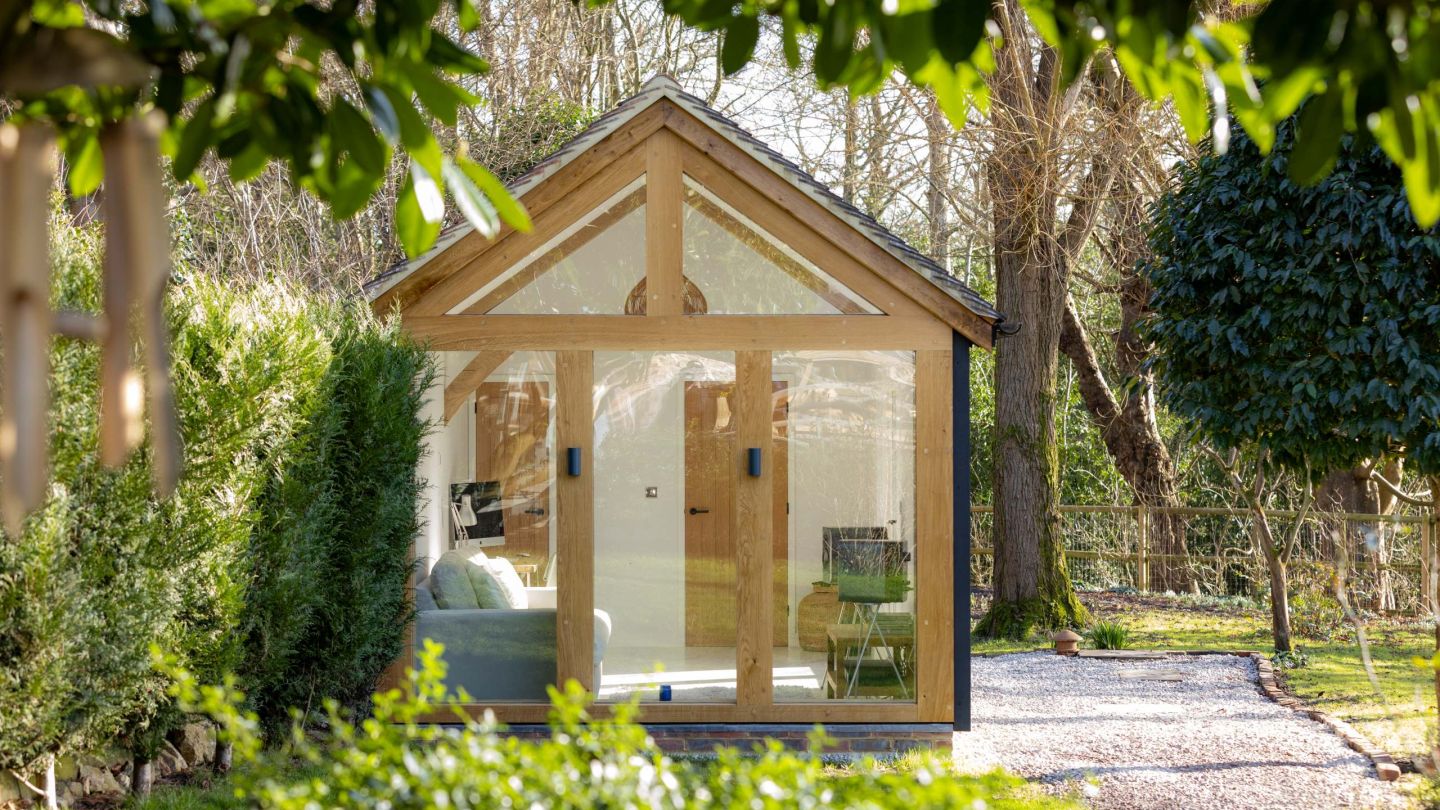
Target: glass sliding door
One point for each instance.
(665, 470)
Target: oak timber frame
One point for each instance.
(665, 143)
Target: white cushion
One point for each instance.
(512, 589)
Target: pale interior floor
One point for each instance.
(705, 674)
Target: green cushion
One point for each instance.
(488, 593)
(511, 587)
(450, 582)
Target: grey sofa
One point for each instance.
(500, 653)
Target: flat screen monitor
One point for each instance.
(478, 512)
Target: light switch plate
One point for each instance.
(652, 492)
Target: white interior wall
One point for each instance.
(639, 443)
(430, 543)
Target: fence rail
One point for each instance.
(1386, 561)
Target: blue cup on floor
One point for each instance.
(665, 693)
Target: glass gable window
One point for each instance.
(591, 268)
(490, 597)
(738, 269)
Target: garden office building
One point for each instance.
(704, 434)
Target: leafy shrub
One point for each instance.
(395, 761)
(1314, 611)
(285, 404)
(103, 570)
(1106, 635)
(1290, 659)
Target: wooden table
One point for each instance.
(527, 570)
(877, 679)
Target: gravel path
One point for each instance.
(1207, 740)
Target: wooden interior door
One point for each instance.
(712, 467)
(511, 425)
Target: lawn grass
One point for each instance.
(1397, 718)
(193, 795)
(202, 790)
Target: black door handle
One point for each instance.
(534, 511)
(695, 511)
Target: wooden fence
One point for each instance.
(1388, 560)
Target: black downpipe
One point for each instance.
(960, 514)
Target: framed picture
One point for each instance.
(478, 515)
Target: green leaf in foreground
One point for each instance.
(418, 211)
(509, 209)
(477, 210)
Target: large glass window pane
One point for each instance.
(592, 268)
(850, 602)
(490, 598)
(665, 471)
(732, 267)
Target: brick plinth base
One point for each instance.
(849, 739)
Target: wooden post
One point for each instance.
(26, 169)
(934, 539)
(1142, 548)
(664, 215)
(960, 526)
(754, 524)
(575, 516)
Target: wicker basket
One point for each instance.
(817, 610)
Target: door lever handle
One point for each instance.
(699, 511)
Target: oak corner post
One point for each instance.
(575, 515)
(934, 548)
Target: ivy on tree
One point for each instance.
(329, 89)
(1371, 64)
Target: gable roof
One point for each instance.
(665, 87)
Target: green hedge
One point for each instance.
(327, 607)
(281, 557)
(397, 763)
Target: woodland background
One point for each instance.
(892, 153)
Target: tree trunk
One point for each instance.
(52, 796)
(849, 171)
(142, 778)
(937, 171)
(1279, 605)
(1032, 584)
(1132, 438)
(1128, 423)
(1279, 579)
(1346, 543)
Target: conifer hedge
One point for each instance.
(282, 556)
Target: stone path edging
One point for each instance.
(1385, 766)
